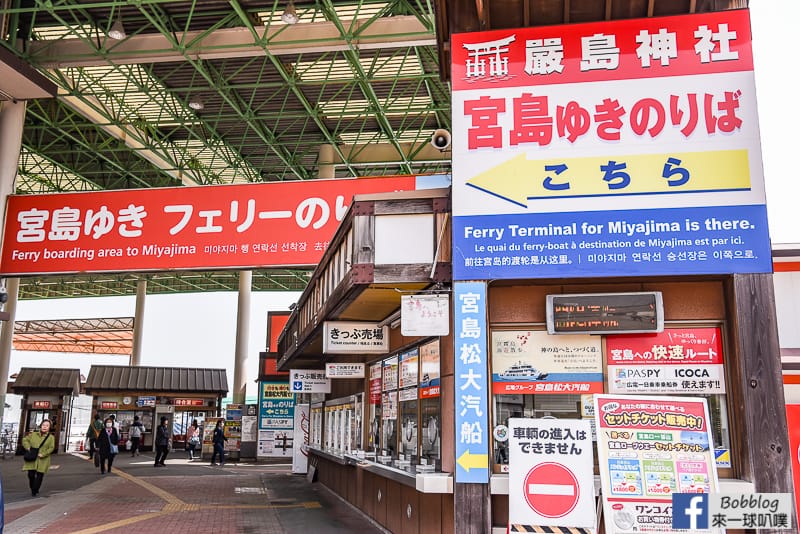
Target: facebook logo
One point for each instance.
(690, 511)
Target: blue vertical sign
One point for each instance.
(471, 383)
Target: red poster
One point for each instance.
(706, 43)
(678, 346)
(212, 227)
(793, 420)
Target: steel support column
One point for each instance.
(242, 335)
(138, 323)
(12, 119)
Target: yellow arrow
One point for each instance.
(520, 179)
(469, 461)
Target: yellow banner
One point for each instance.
(520, 179)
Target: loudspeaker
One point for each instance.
(441, 139)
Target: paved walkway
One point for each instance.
(181, 497)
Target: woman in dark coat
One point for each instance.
(107, 445)
(162, 442)
(219, 440)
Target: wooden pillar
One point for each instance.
(472, 508)
(758, 408)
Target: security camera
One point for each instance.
(441, 139)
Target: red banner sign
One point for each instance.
(676, 346)
(109, 405)
(189, 402)
(706, 43)
(41, 404)
(213, 227)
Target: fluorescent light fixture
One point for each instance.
(117, 31)
(196, 104)
(290, 14)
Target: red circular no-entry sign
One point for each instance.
(551, 490)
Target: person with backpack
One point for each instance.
(135, 435)
(38, 448)
(93, 433)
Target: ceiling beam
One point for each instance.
(382, 33)
(127, 133)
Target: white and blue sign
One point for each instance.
(471, 383)
(276, 406)
(568, 171)
(710, 240)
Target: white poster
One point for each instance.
(344, 370)
(551, 473)
(275, 443)
(425, 315)
(249, 428)
(301, 432)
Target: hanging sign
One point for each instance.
(348, 337)
(611, 148)
(425, 315)
(344, 370)
(309, 381)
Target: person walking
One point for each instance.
(92, 433)
(107, 445)
(193, 439)
(135, 435)
(162, 443)
(219, 440)
(44, 444)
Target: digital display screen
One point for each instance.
(605, 313)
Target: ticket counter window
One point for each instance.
(404, 411)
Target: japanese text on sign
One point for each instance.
(221, 226)
(471, 403)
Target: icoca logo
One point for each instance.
(692, 373)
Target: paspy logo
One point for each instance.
(690, 510)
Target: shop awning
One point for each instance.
(58, 381)
(105, 378)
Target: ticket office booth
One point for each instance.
(150, 409)
(47, 394)
(180, 394)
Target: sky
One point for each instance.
(774, 25)
(199, 330)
